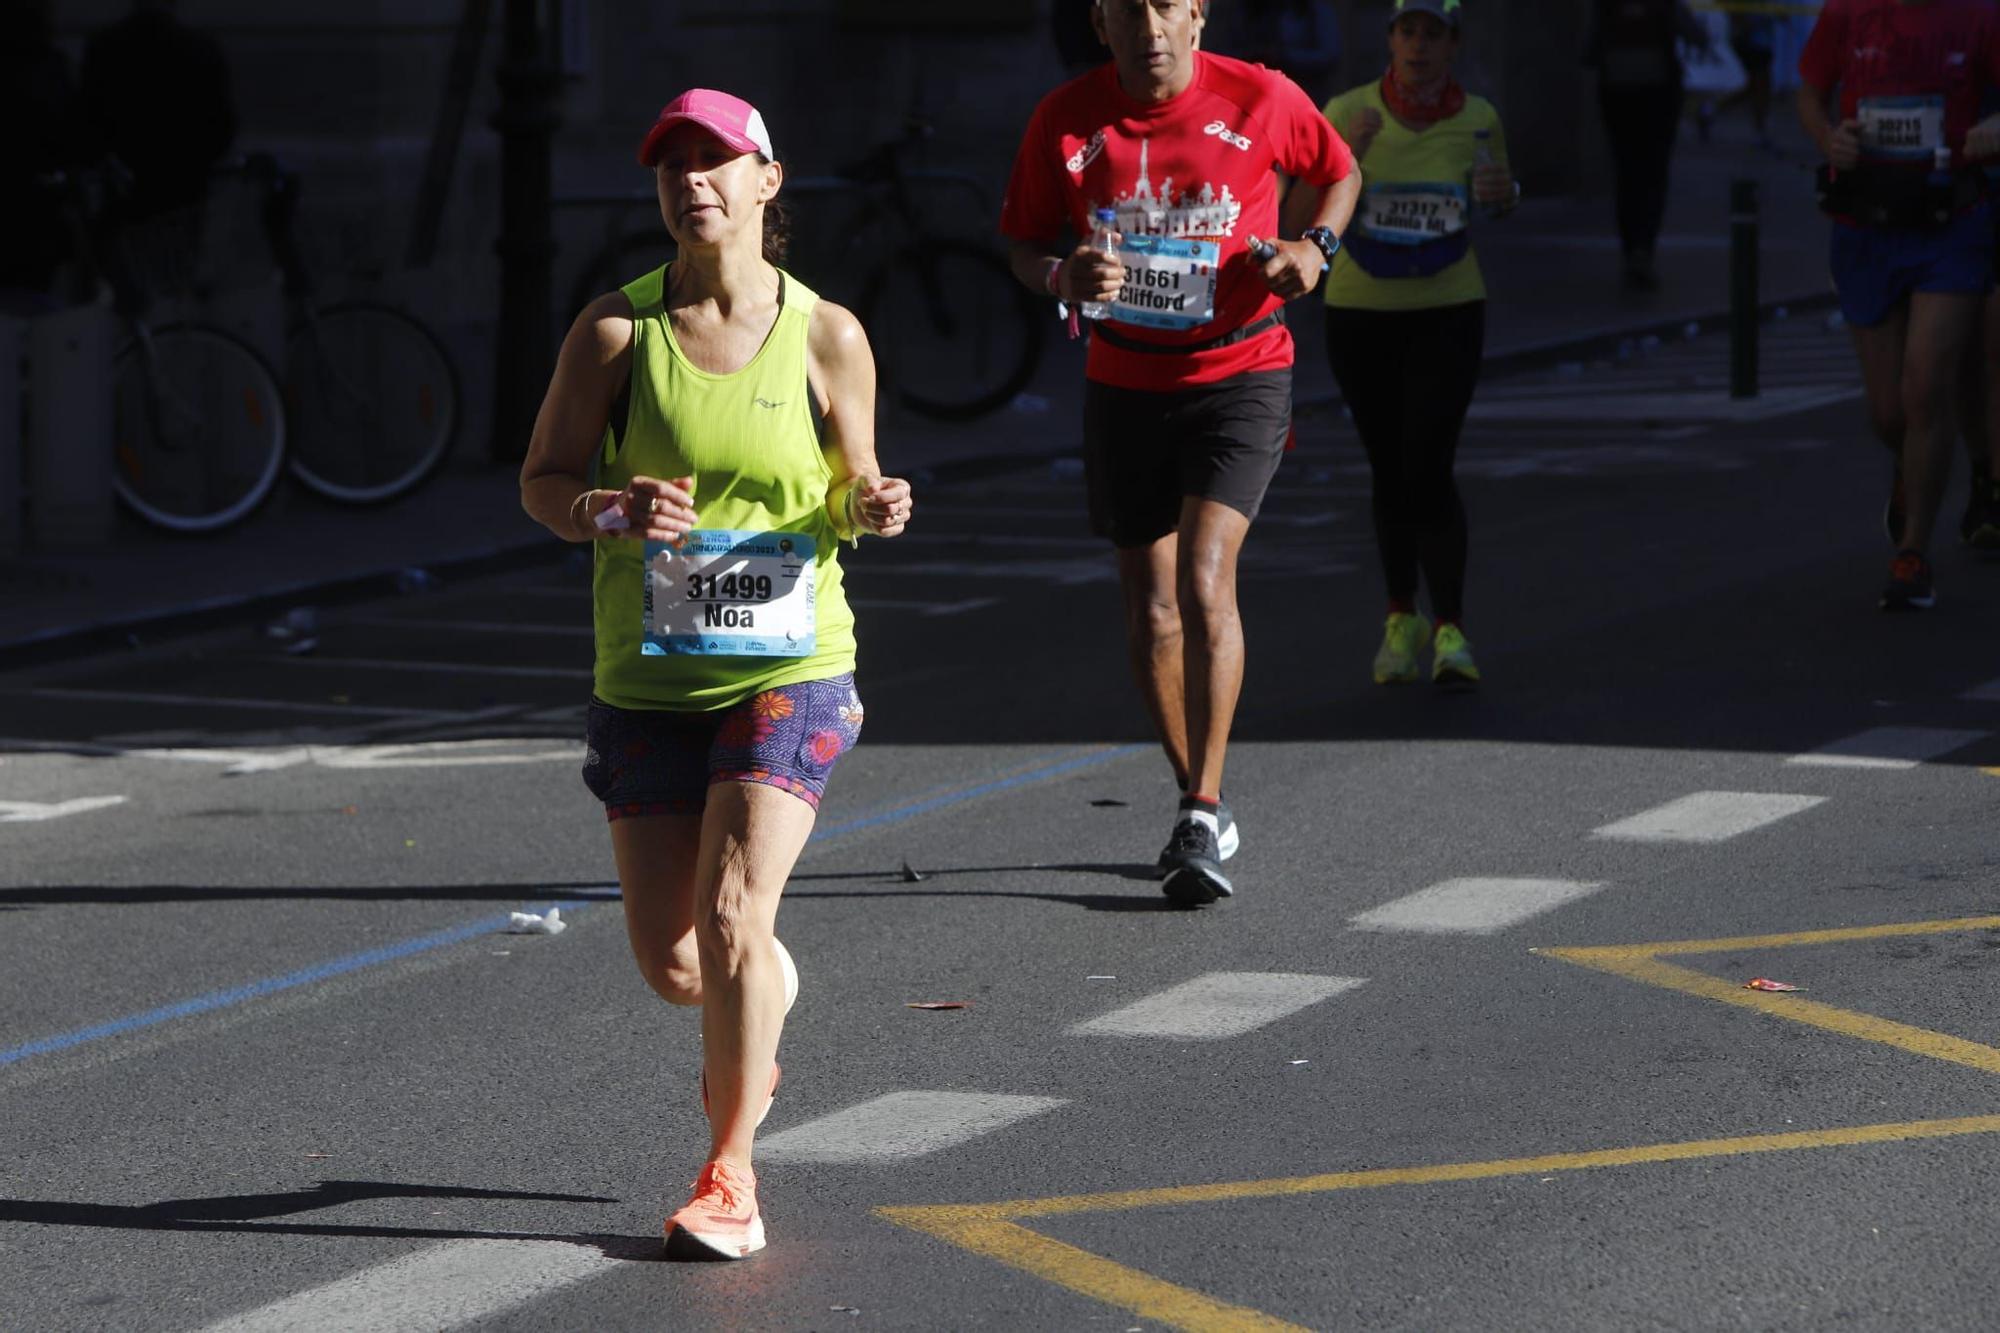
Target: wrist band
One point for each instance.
(1049, 279)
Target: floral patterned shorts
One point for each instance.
(655, 761)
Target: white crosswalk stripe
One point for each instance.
(1473, 906)
(1889, 747)
(1217, 1005)
(1708, 817)
(899, 1125)
(443, 1287)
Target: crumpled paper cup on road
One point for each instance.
(528, 923)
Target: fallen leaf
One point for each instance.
(912, 876)
(939, 1004)
(409, 842)
(1765, 983)
(350, 809)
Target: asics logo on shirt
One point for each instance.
(1227, 135)
(1085, 155)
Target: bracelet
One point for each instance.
(577, 521)
(1050, 279)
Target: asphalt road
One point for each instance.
(1471, 1048)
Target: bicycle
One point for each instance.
(373, 395)
(955, 335)
(198, 418)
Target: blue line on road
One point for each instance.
(924, 805)
(389, 953)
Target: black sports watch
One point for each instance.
(1324, 238)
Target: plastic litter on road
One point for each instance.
(912, 876)
(939, 1004)
(530, 923)
(1765, 983)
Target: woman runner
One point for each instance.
(730, 417)
(1406, 320)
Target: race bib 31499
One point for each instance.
(731, 593)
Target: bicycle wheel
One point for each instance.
(955, 335)
(198, 424)
(374, 403)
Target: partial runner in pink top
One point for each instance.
(1201, 166)
(1912, 74)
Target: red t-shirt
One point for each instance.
(1200, 166)
(1895, 57)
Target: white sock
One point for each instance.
(1204, 817)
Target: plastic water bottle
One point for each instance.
(1100, 240)
(1482, 156)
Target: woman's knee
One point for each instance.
(730, 927)
(674, 973)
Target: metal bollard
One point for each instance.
(1743, 289)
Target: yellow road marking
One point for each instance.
(990, 1229)
(1641, 962)
(1087, 1274)
(1741, 943)
(1847, 1022)
(1991, 772)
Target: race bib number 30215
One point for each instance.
(729, 593)
(1413, 214)
(1169, 283)
(1910, 128)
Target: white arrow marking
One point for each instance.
(29, 812)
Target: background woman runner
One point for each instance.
(725, 648)
(1406, 320)
(1912, 245)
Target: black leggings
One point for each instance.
(1407, 377)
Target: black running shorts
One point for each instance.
(1144, 452)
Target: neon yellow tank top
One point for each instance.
(751, 441)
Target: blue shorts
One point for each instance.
(654, 761)
(1874, 268)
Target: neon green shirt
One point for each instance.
(1440, 156)
(751, 441)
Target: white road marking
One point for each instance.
(1708, 816)
(1989, 693)
(922, 608)
(471, 626)
(224, 701)
(1473, 906)
(1217, 1005)
(901, 1124)
(440, 754)
(442, 1287)
(1889, 747)
(35, 812)
(1710, 405)
(441, 668)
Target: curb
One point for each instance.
(81, 640)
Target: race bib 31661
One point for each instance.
(1169, 283)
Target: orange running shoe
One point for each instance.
(721, 1220)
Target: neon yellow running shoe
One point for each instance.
(1405, 635)
(1453, 668)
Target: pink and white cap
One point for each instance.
(730, 119)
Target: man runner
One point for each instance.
(1188, 398)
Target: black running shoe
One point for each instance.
(1226, 839)
(1909, 586)
(1196, 879)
